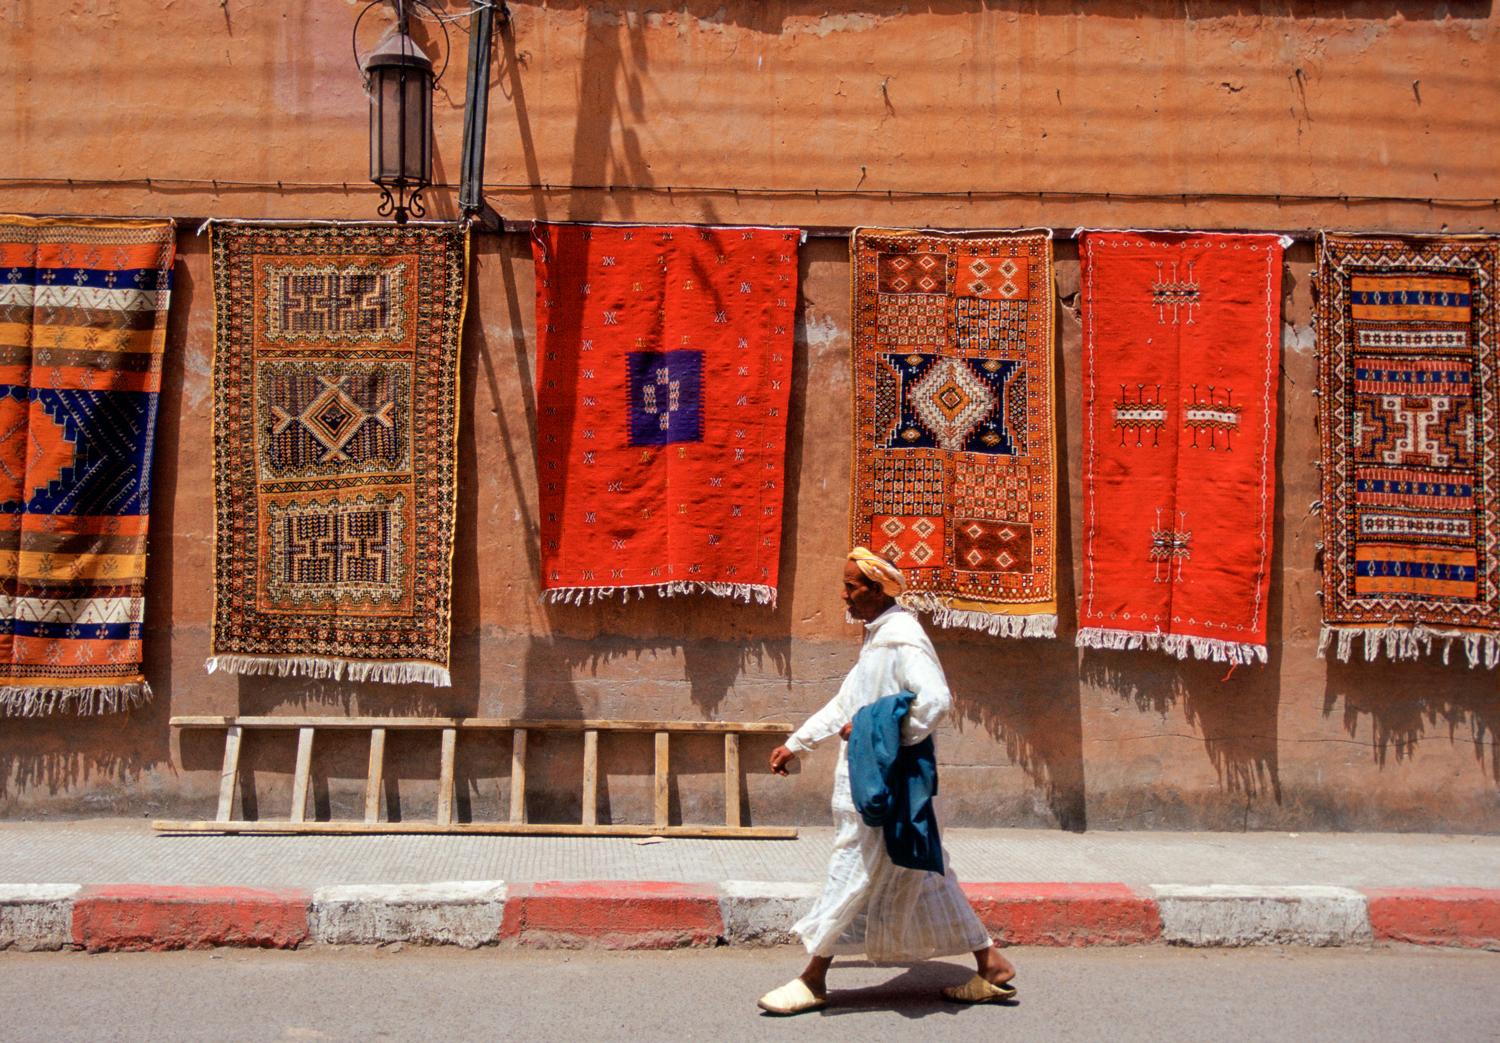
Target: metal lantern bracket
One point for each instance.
(402, 14)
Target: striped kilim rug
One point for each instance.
(335, 414)
(1411, 454)
(83, 314)
(955, 463)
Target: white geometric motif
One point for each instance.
(951, 401)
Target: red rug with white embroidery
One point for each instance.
(1180, 354)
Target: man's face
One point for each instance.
(864, 599)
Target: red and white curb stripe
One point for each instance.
(649, 915)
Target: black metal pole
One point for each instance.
(476, 110)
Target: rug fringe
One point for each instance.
(1180, 645)
(1409, 641)
(405, 672)
(21, 701)
(997, 624)
(746, 592)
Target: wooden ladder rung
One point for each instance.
(229, 774)
(663, 792)
(376, 775)
(445, 777)
(591, 777)
(303, 776)
(731, 779)
(518, 775)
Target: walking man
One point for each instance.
(869, 904)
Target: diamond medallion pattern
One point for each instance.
(961, 405)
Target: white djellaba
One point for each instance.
(869, 904)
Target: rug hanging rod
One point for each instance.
(1060, 233)
(217, 185)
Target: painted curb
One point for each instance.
(1230, 915)
(612, 915)
(758, 913)
(1066, 914)
(123, 917)
(1459, 916)
(664, 915)
(36, 917)
(464, 913)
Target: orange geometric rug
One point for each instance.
(954, 476)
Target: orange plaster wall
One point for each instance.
(1356, 99)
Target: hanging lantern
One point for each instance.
(398, 79)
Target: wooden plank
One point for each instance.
(663, 792)
(518, 776)
(376, 776)
(229, 774)
(303, 776)
(483, 723)
(731, 780)
(297, 723)
(590, 777)
(445, 777)
(558, 829)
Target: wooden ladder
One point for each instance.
(234, 729)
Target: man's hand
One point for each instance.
(845, 730)
(780, 758)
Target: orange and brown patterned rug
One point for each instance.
(335, 415)
(1411, 461)
(954, 477)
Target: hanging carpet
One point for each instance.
(335, 415)
(664, 363)
(83, 326)
(1180, 364)
(1406, 330)
(954, 470)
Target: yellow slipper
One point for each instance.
(792, 998)
(978, 990)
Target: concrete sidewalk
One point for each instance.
(118, 851)
(113, 884)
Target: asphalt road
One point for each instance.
(582, 997)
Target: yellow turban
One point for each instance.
(878, 570)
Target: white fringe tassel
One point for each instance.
(1410, 642)
(998, 624)
(20, 701)
(746, 592)
(1179, 645)
(406, 672)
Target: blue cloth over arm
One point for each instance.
(893, 785)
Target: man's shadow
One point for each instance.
(914, 993)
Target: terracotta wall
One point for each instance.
(1234, 104)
